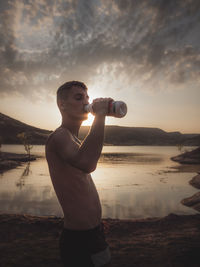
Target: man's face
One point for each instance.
(74, 103)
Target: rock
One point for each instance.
(195, 181)
(193, 201)
(16, 157)
(12, 160)
(8, 164)
(192, 157)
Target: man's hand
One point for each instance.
(100, 106)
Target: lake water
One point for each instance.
(132, 181)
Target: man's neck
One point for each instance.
(72, 125)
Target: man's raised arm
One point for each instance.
(85, 156)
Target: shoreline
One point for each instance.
(193, 201)
(10, 161)
(167, 241)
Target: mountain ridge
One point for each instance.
(114, 134)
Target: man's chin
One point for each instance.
(80, 117)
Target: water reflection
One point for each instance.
(143, 204)
(23, 176)
(31, 201)
(133, 182)
(185, 168)
(133, 158)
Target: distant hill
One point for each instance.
(9, 128)
(117, 135)
(114, 135)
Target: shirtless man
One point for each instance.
(82, 241)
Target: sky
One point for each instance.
(143, 52)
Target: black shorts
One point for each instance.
(86, 248)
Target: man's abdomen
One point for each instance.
(81, 205)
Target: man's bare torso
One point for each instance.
(75, 190)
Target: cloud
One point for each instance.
(146, 42)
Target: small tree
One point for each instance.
(180, 147)
(26, 139)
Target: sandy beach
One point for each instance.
(170, 241)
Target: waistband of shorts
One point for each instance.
(97, 228)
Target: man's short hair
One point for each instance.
(63, 89)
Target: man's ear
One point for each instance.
(62, 105)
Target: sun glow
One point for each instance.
(92, 94)
(89, 121)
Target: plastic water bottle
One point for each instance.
(116, 109)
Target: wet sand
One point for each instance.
(170, 241)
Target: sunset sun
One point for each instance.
(89, 121)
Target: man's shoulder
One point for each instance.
(61, 132)
(57, 134)
(51, 136)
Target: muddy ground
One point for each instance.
(170, 241)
